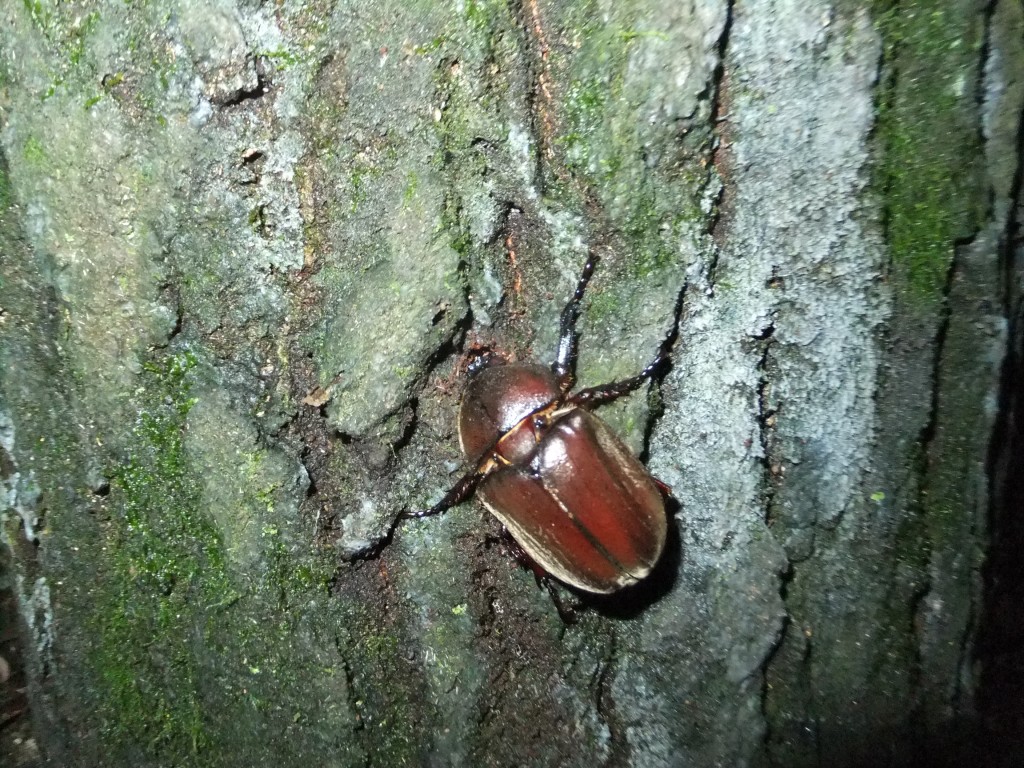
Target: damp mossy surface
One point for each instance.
(327, 207)
(187, 648)
(165, 578)
(929, 168)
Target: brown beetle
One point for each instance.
(581, 506)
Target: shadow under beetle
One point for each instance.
(575, 499)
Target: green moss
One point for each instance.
(38, 13)
(67, 31)
(480, 14)
(411, 184)
(644, 230)
(6, 194)
(283, 59)
(165, 576)
(431, 47)
(383, 687)
(78, 35)
(364, 172)
(604, 306)
(603, 147)
(928, 170)
(34, 152)
(257, 220)
(167, 607)
(292, 576)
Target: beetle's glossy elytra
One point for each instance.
(580, 505)
(566, 488)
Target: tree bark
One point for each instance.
(249, 247)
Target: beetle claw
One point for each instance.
(567, 613)
(665, 488)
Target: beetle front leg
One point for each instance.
(564, 366)
(606, 393)
(458, 493)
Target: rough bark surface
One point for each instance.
(246, 248)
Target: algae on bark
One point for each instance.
(246, 248)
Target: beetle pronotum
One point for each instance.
(571, 494)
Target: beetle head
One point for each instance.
(480, 357)
(497, 398)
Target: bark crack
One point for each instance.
(721, 131)
(604, 704)
(997, 619)
(766, 415)
(258, 91)
(968, 638)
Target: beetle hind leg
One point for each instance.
(568, 613)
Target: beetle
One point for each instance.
(581, 506)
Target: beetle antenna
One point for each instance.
(606, 393)
(564, 366)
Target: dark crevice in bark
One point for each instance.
(999, 649)
(771, 478)
(766, 421)
(964, 694)
(656, 403)
(528, 16)
(721, 160)
(15, 709)
(720, 154)
(806, 675)
(258, 91)
(916, 617)
(377, 548)
(352, 695)
(604, 704)
(410, 427)
(884, 90)
(1000, 640)
(915, 621)
(942, 360)
(450, 346)
(934, 318)
(14, 703)
(928, 431)
(788, 627)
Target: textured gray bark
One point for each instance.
(246, 247)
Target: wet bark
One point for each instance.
(248, 250)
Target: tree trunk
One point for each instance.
(248, 249)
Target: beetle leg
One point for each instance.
(524, 560)
(665, 488)
(564, 366)
(459, 492)
(606, 393)
(567, 613)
